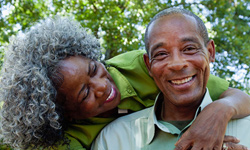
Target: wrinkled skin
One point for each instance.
(178, 61)
(208, 130)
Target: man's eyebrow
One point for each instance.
(190, 39)
(156, 46)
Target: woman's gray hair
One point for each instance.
(30, 115)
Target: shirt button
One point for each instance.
(129, 91)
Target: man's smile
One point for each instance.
(181, 81)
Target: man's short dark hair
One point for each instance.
(170, 11)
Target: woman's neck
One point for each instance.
(109, 114)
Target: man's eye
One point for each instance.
(190, 50)
(160, 55)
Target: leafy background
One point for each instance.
(120, 24)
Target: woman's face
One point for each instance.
(87, 87)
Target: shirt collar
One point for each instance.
(152, 120)
(122, 83)
(206, 100)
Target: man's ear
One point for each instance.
(147, 63)
(211, 50)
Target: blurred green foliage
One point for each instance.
(120, 24)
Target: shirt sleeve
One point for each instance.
(216, 86)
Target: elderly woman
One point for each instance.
(31, 116)
(56, 94)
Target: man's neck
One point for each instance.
(170, 112)
(179, 114)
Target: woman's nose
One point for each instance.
(99, 86)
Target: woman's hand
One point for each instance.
(231, 143)
(208, 130)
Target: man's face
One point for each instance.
(178, 59)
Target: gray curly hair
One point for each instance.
(30, 115)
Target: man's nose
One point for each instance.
(99, 86)
(177, 62)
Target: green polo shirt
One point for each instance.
(138, 91)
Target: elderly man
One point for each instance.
(178, 56)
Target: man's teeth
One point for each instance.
(181, 81)
(111, 94)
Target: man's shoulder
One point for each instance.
(136, 115)
(243, 122)
(240, 128)
(129, 119)
(120, 132)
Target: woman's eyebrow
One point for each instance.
(89, 68)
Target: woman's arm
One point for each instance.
(237, 100)
(209, 128)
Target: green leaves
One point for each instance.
(120, 24)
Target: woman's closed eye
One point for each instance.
(84, 93)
